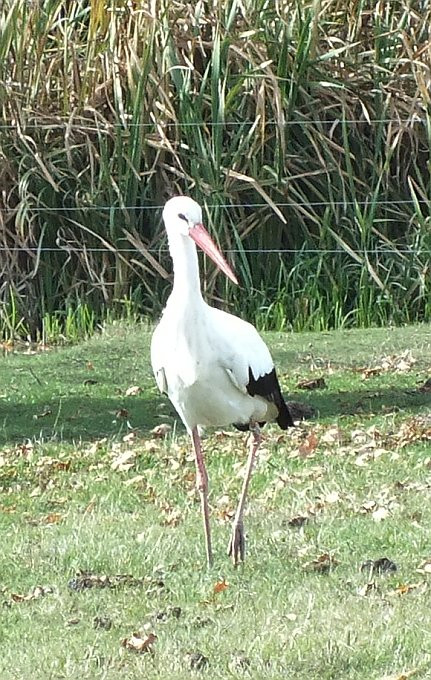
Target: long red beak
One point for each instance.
(200, 236)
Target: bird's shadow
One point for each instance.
(327, 405)
(74, 417)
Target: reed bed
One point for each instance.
(303, 128)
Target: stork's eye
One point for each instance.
(183, 217)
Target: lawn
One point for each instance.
(102, 567)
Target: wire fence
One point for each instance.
(68, 123)
(226, 206)
(256, 251)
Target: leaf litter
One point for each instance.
(196, 661)
(392, 363)
(425, 567)
(405, 675)
(164, 615)
(133, 391)
(313, 384)
(383, 565)
(34, 594)
(331, 440)
(102, 622)
(85, 580)
(140, 643)
(321, 564)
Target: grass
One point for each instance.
(86, 485)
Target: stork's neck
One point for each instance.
(187, 286)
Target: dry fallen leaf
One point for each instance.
(367, 589)
(239, 662)
(332, 436)
(129, 437)
(380, 514)
(166, 614)
(405, 588)
(225, 510)
(321, 564)
(161, 430)
(308, 447)
(103, 622)
(44, 414)
(314, 384)
(400, 363)
(8, 509)
(403, 676)
(425, 567)
(124, 461)
(220, 586)
(297, 521)
(133, 391)
(84, 580)
(382, 565)
(196, 660)
(426, 387)
(96, 446)
(34, 594)
(135, 481)
(139, 644)
(73, 621)
(368, 506)
(417, 429)
(330, 498)
(53, 518)
(172, 517)
(371, 372)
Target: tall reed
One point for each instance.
(302, 127)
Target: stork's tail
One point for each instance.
(284, 418)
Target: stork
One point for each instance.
(214, 367)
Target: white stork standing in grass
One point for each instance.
(214, 367)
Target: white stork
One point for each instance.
(214, 367)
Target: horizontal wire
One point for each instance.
(293, 204)
(283, 123)
(362, 251)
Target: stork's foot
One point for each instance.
(236, 548)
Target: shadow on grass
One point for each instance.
(76, 418)
(363, 402)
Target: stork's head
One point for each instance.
(182, 215)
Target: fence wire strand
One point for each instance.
(69, 124)
(226, 206)
(264, 251)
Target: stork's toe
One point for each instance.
(236, 548)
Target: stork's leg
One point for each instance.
(202, 486)
(236, 547)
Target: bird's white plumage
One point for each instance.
(209, 362)
(201, 356)
(202, 362)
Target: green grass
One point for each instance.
(65, 507)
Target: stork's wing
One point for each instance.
(267, 386)
(249, 364)
(157, 356)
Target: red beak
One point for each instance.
(200, 236)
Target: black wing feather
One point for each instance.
(268, 387)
